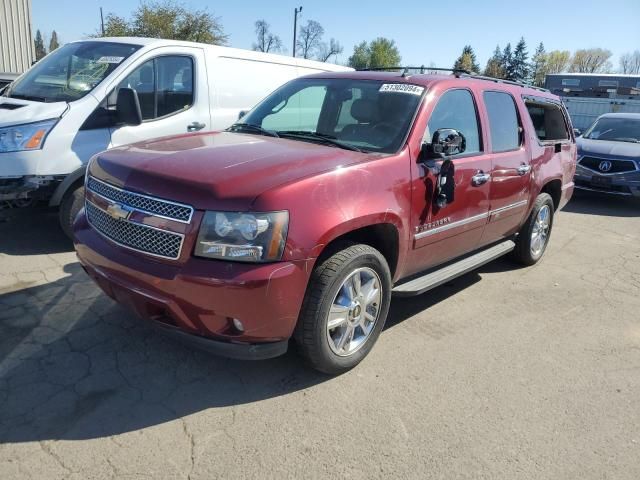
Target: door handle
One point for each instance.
(524, 169)
(195, 126)
(480, 178)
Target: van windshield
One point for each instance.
(362, 115)
(70, 72)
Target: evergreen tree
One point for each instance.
(467, 60)
(39, 45)
(53, 43)
(519, 65)
(494, 66)
(538, 66)
(507, 60)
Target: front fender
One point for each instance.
(64, 186)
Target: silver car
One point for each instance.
(609, 155)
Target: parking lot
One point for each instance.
(504, 373)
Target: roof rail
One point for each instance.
(422, 69)
(504, 80)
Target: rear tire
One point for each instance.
(345, 308)
(534, 235)
(71, 204)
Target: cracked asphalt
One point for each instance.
(504, 373)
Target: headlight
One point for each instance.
(30, 136)
(244, 237)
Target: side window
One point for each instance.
(456, 109)
(548, 120)
(503, 121)
(302, 111)
(164, 85)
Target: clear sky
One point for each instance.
(425, 31)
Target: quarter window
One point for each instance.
(548, 120)
(503, 121)
(456, 109)
(164, 86)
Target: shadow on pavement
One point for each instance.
(593, 203)
(32, 231)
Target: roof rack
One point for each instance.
(422, 69)
(503, 80)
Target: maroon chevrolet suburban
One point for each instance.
(300, 221)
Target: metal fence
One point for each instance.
(16, 38)
(584, 111)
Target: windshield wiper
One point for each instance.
(250, 127)
(626, 139)
(323, 137)
(27, 97)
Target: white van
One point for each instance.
(92, 95)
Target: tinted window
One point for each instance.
(456, 109)
(164, 85)
(607, 83)
(503, 121)
(548, 120)
(570, 82)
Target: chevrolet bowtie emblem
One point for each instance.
(118, 211)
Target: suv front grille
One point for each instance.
(136, 236)
(155, 206)
(617, 166)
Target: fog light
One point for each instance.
(238, 325)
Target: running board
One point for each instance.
(436, 278)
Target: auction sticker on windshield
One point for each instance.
(110, 59)
(402, 88)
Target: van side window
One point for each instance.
(164, 85)
(548, 120)
(503, 121)
(456, 109)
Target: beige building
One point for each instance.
(16, 38)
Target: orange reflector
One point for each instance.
(36, 139)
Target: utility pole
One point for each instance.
(295, 27)
(102, 21)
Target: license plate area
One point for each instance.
(601, 182)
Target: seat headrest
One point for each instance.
(363, 110)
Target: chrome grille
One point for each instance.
(136, 236)
(155, 206)
(617, 166)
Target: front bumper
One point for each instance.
(624, 184)
(197, 300)
(29, 186)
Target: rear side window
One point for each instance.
(456, 109)
(503, 121)
(548, 120)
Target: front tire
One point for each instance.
(534, 235)
(71, 204)
(345, 308)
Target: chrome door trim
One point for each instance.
(449, 226)
(508, 207)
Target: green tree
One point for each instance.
(467, 60)
(494, 66)
(166, 19)
(53, 43)
(507, 61)
(519, 67)
(379, 53)
(39, 46)
(557, 61)
(538, 66)
(591, 60)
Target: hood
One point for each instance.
(608, 148)
(220, 170)
(14, 111)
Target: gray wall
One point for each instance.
(16, 39)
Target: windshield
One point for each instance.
(70, 72)
(615, 129)
(363, 115)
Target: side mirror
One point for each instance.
(242, 114)
(445, 143)
(128, 107)
(577, 132)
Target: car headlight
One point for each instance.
(30, 136)
(244, 237)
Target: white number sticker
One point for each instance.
(402, 88)
(110, 59)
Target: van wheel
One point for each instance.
(345, 308)
(534, 235)
(71, 204)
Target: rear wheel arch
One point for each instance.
(554, 189)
